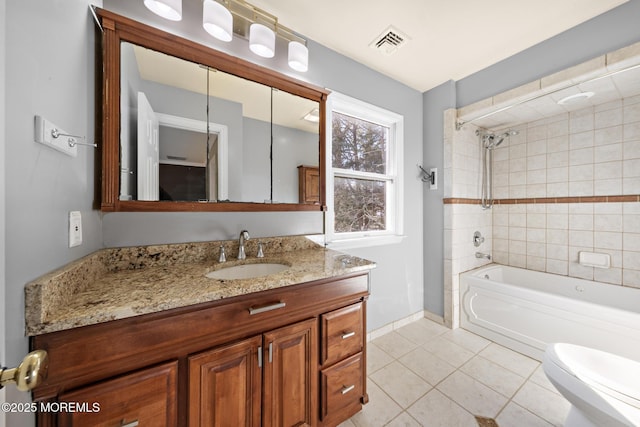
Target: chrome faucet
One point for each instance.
(244, 236)
(481, 255)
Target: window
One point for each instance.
(364, 180)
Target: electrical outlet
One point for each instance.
(75, 229)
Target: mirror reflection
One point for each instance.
(189, 133)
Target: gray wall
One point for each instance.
(607, 32)
(397, 283)
(3, 320)
(436, 101)
(50, 67)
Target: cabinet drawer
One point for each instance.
(342, 333)
(341, 389)
(143, 398)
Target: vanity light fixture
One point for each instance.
(217, 20)
(168, 9)
(262, 40)
(222, 18)
(298, 56)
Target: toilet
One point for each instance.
(603, 388)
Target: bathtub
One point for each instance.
(525, 310)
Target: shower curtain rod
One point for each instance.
(460, 123)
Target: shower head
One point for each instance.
(491, 141)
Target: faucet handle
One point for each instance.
(260, 251)
(223, 256)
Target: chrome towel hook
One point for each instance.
(55, 133)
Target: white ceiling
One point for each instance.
(449, 39)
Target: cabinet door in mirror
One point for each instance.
(295, 143)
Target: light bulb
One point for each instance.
(168, 9)
(217, 20)
(262, 40)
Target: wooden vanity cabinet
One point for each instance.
(308, 184)
(144, 398)
(223, 363)
(276, 372)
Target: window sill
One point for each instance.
(362, 242)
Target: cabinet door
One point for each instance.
(225, 386)
(290, 376)
(144, 398)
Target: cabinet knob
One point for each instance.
(131, 424)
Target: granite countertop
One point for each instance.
(123, 282)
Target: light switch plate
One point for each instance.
(75, 229)
(43, 135)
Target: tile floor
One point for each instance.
(425, 374)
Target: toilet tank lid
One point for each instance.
(612, 374)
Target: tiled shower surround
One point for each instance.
(564, 184)
(571, 157)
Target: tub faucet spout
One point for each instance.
(481, 255)
(244, 236)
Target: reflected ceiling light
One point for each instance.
(312, 116)
(262, 40)
(572, 99)
(217, 20)
(168, 9)
(298, 56)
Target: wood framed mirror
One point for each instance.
(188, 128)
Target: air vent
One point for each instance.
(389, 41)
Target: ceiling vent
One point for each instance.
(389, 41)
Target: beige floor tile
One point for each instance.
(418, 332)
(540, 378)
(376, 358)
(404, 420)
(395, 344)
(514, 415)
(472, 395)
(496, 377)
(433, 328)
(509, 359)
(542, 402)
(427, 365)
(466, 339)
(380, 410)
(437, 410)
(347, 423)
(449, 351)
(400, 383)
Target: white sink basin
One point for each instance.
(246, 271)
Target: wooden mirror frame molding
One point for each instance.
(117, 29)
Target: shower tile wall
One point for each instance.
(461, 171)
(594, 151)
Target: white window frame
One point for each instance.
(394, 191)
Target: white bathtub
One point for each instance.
(525, 310)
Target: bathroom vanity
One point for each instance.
(278, 350)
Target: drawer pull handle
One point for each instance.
(131, 424)
(346, 389)
(266, 308)
(348, 335)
